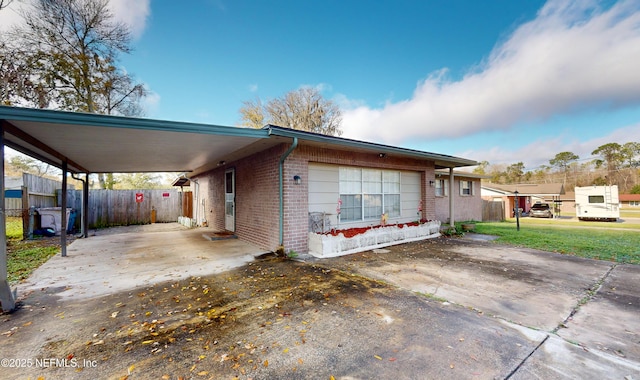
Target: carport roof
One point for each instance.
(92, 143)
(527, 188)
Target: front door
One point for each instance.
(230, 200)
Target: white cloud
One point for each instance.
(9, 16)
(151, 103)
(133, 13)
(540, 151)
(253, 87)
(572, 56)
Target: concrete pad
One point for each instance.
(610, 321)
(124, 258)
(528, 287)
(541, 292)
(558, 359)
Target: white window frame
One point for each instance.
(466, 191)
(371, 178)
(442, 184)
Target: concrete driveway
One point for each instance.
(582, 315)
(161, 301)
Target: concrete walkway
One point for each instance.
(123, 258)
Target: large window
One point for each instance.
(368, 193)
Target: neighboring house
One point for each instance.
(466, 196)
(528, 194)
(629, 200)
(321, 174)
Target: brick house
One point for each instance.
(261, 184)
(629, 201)
(466, 191)
(318, 173)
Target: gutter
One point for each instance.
(281, 184)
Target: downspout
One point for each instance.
(63, 228)
(84, 233)
(281, 183)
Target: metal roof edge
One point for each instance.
(112, 121)
(341, 141)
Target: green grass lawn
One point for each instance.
(572, 239)
(25, 256)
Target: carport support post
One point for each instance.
(63, 224)
(452, 221)
(7, 298)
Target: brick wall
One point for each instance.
(297, 222)
(257, 191)
(465, 207)
(256, 197)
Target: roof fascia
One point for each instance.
(458, 174)
(349, 143)
(111, 121)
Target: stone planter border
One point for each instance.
(321, 245)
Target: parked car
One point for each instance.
(541, 210)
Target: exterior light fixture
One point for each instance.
(382, 155)
(297, 179)
(222, 162)
(432, 183)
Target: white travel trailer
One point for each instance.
(597, 203)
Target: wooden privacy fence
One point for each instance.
(126, 207)
(30, 191)
(492, 211)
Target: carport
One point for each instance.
(83, 144)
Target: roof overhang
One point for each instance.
(441, 160)
(91, 143)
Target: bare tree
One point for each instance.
(65, 56)
(303, 109)
(69, 51)
(5, 3)
(252, 114)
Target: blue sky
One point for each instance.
(497, 80)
